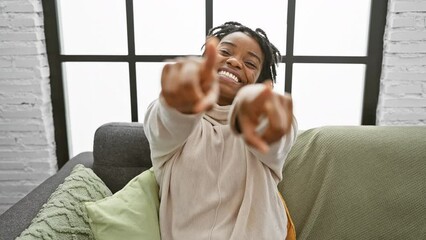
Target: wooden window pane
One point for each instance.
(169, 27)
(331, 27)
(93, 27)
(328, 94)
(148, 77)
(96, 93)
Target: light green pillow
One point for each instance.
(64, 215)
(130, 214)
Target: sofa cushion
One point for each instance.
(357, 183)
(130, 214)
(64, 215)
(121, 152)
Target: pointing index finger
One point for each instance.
(208, 66)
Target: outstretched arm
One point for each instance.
(189, 87)
(265, 120)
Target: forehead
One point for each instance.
(243, 41)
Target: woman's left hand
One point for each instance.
(276, 108)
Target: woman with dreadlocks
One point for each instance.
(219, 137)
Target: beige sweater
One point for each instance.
(212, 185)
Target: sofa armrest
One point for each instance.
(121, 152)
(17, 218)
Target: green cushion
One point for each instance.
(64, 215)
(131, 213)
(357, 183)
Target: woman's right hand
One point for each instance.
(190, 85)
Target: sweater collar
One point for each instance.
(218, 114)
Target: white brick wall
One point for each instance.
(402, 99)
(27, 147)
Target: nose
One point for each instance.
(234, 62)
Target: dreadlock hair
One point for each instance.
(271, 53)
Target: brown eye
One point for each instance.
(251, 65)
(224, 52)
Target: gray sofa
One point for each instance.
(120, 152)
(340, 182)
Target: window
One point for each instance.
(106, 57)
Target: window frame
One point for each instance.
(373, 62)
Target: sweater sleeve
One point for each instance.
(167, 130)
(278, 151)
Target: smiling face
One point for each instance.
(239, 62)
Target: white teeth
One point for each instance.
(229, 75)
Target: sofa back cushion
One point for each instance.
(120, 152)
(357, 183)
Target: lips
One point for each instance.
(228, 75)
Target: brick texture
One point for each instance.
(27, 147)
(402, 99)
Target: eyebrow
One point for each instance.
(250, 52)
